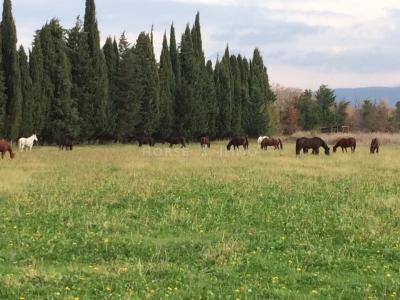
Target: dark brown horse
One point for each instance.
(205, 142)
(375, 146)
(346, 143)
(6, 147)
(270, 142)
(236, 142)
(311, 143)
(66, 142)
(176, 141)
(146, 140)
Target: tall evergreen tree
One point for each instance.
(148, 89)
(62, 114)
(27, 124)
(260, 95)
(210, 95)
(167, 81)
(127, 97)
(309, 111)
(3, 102)
(236, 125)
(111, 56)
(224, 95)
(94, 113)
(326, 100)
(11, 72)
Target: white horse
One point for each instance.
(28, 143)
(261, 138)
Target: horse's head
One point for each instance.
(334, 149)
(228, 147)
(327, 151)
(35, 139)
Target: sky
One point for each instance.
(305, 43)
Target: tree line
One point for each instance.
(67, 84)
(305, 110)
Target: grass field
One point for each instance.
(119, 222)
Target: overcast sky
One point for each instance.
(342, 43)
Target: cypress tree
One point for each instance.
(245, 92)
(111, 55)
(3, 103)
(27, 125)
(11, 72)
(95, 113)
(260, 95)
(177, 85)
(167, 80)
(224, 95)
(210, 95)
(62, 117)
(149, 84)
(236, 96)
(78, 53)
(127, 94)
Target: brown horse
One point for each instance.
(176, 141)
(311, 143)
(375, 146)
(270, 142)
(346, 143)
(6, 147)
(236, 142)
(205, 142)
(146, 140)
(67, 143)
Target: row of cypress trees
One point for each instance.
(68, 85)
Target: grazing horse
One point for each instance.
(236, 142)
(205, 142)
(261, 138)
(146, 140)
(66, 142)
(269, 142)
(346, 143)
(311, 143)
(375, 146)
(28, 143)
(176, 141)
(6, 147)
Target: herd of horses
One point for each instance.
(302, 144)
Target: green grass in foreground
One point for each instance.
(120, 223)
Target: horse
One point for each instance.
(6, 147)
(146, 140)
(375, 146)
(261, 138)
(311, 143)
(236, 142)
(67, 143)
(205, 142)
(269, 142)
(176, 141)
(346, 143)
(27, 142)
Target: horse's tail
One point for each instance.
(355, 144)
(280, 144)
(12, 154)
(298, 147)
(247, 142)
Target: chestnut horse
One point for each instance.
(346, 143)
(6, 147)
(205, 142)
(176, 141)
(270, 142)
(375, 146)
(311, 143)
(236, 142)
(146, 140)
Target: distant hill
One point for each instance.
(357, 95)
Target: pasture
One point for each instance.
(120, 222)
